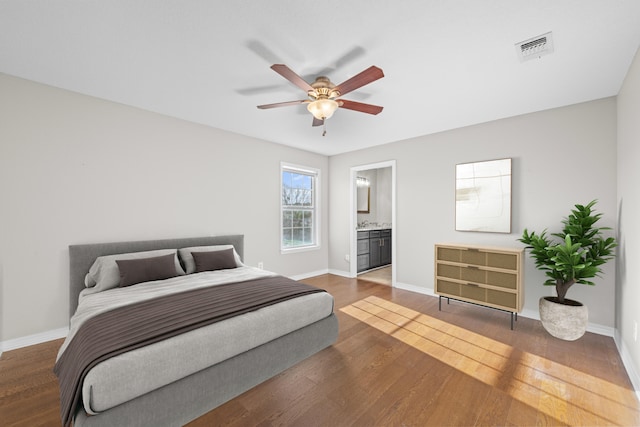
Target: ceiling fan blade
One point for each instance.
(281, 104)
(359, 106)
(317, 122)
(290, 75)
(369, 75)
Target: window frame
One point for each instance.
(315, 174)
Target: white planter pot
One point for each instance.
(567, 322)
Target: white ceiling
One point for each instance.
(447, 64)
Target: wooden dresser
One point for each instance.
(488, 276)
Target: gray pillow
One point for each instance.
(104, 273)
(214, 260)
(190, 265)
(141, 270)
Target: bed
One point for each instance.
(176, 379)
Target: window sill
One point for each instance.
(284, 251)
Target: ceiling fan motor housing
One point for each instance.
(323, 89)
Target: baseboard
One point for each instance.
(601, 330)
(414, 288)
(33, 339)
(307, 275)
(340, 273)
(530, 314)
(627, 361)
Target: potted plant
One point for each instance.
(574, 257)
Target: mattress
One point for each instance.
(138, 372)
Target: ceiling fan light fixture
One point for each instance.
(322, 108)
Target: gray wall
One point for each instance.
(628, 271)
(76, 169)
(560, 157)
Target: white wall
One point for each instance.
(76, 169)
(628, 270)
(560, 157)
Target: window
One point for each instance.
(299, 203)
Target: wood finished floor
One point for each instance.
(398, 362)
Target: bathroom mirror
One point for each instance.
(483, 196)
(363, 195)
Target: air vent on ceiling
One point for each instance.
(535, 47)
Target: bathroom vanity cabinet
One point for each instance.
(374, 249)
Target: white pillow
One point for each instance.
(104, 273)
(189, 262)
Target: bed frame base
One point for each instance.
(189, 398)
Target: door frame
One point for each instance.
(353, 217)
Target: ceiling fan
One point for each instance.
(323, 95)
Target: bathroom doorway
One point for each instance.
(373, 222)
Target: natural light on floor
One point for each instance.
(570, 396)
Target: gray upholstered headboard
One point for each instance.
(81, 257)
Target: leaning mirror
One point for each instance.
(483, 196)
(364, 194)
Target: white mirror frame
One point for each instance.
(483, 196)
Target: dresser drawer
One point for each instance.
(503, 299)
(473, 274)
(506, 261)
(450, 271)
(504, 280)
(473, 257)
(448, 288)
(475, 293)
(448, 254)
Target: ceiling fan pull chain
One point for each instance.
(324, 127)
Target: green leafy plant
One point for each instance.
(577, 256)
